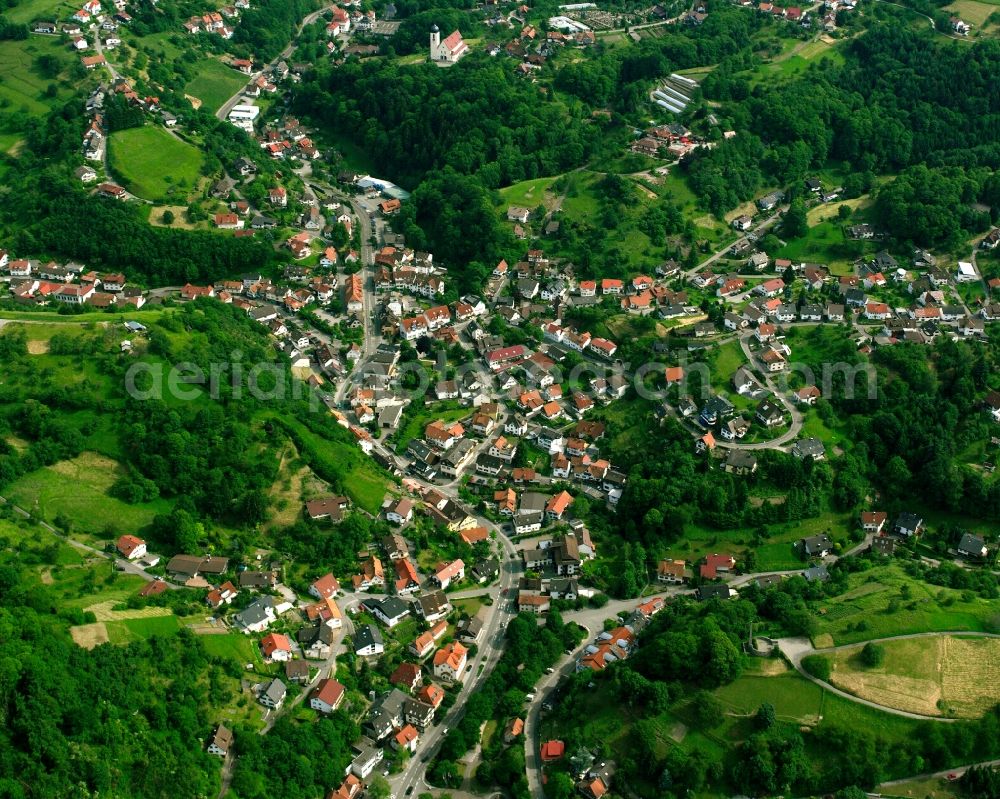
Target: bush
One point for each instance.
(872, 655)
(818, 666)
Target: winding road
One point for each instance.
(227, 106)
(795, 649)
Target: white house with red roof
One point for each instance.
(447, 573)
(275, 647)
(448, 51)
(326, 587)
(327, 697)
(450, 662)
(131, 548)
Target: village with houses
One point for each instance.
(592, 519)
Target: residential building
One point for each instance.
(368, 641)
(450, 662)
(327, 696)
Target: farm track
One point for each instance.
(795, 649)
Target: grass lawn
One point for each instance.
(145, 316)
(972, 11)
(22, 83)
(78, 490)
(825, 243)
(775, 554)
(793, 698)
(827, 211)
(128, 630)
(527, 194)
(30, 536)
(235, 646)
(814, 427)
(93, 584)
(161, 45)
(725, 361)
(863, 612)
(469, 607)
(215, 84)
(32, 10)
(362, 481)
(933, 788)
(580, 202)
(153, 164)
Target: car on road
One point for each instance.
(409, 790)
(550, 670)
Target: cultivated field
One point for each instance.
(932, 676)
(153, 164)
(104, 611)
(89, 635)
(972, 11)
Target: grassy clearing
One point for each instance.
(777, 553)
(145, 316)
(726, 360)
(363, 483)
(22, 534)
(827, 211)
(215, 84)
(825, 243)
(875, 607)
(153, 164)
(528, 193)
(448, 411)
(23, 85)
(235, 646)
(932, 676)
(793, 698)
(469, 607)
(78, 490)
(932, 788)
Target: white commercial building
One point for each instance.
(243, 116)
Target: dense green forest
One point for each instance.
(215, 457)
(122, 721)
(478, 118)
(890, 106)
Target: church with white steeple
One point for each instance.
(450, 50)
